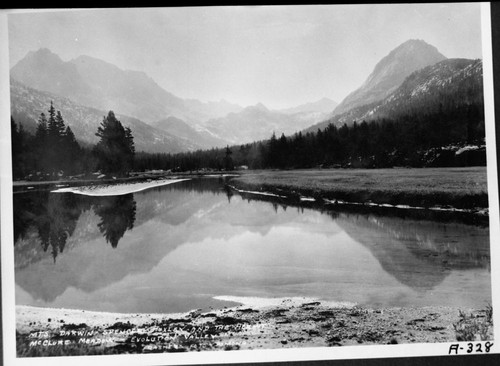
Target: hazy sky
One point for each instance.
(280, 56)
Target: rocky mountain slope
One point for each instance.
(27, 104)
(390, 72)
(198, 135)
(324, 105)
(446, 84)
(98, 84)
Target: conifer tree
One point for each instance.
(115, 149)
(41, 144)
(228, 161)
(41, 128)
(71, 151)
(51, 123)
(53, 147)
(60, 127)
(20, 141)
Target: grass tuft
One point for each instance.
(472, 327)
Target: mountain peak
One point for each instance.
(42, 51)
(42, 54)
(391, 71)
(413, 43)
(44, 70)
(414, 47)
(259, 106)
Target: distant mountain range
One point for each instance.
(95, 83)
(88, 82)
(252, 123)
(413, 78)
(258, 123)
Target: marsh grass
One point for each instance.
(464, 188)
(472, 327)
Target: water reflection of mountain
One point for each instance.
(50, 219)
(80, 224)
(107, 239)
(176, 204)
(419, 254)
(165, 218)
(417, 247)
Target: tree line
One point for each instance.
(53, 150)
(386, 142)
(415, 139)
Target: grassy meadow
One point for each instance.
(464, 188)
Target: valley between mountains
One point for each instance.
(84, 89)
(413, 78)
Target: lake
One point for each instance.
(174, 248)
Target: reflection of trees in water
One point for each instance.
(117, 215)
(59, 223)
(276, 206)
(229, 192)
(214, 185)
(54, 217)
(25, 209)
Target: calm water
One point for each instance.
(175, 247)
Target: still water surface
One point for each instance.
(175, 247)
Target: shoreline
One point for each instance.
(424, 190)
(358, 187)
(292, 195)
(326, 190)
(23, 186)
(258, 323)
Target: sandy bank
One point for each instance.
(256, 324)
(117, 189)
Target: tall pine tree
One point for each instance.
(115, 150)
(55, 146)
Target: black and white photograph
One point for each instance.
(210, 184)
